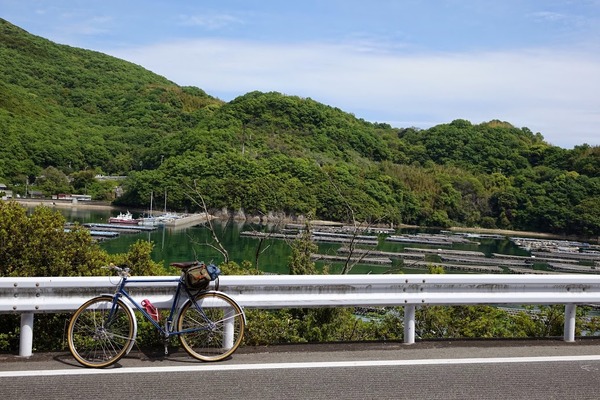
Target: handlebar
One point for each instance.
(122, 272)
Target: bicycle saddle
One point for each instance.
(184, 264)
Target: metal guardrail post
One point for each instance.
(409, 324)
(26, 338)
(569, 328)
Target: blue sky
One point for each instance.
(533, 63)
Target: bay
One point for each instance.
(191, 243)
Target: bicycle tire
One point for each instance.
(94, 342)
(213, 331)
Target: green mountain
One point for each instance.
(68, 112)
(75, 109)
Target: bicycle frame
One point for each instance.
(167, 331)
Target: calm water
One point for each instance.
(186, 244)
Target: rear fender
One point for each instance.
(222, 294)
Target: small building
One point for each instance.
(5, 194)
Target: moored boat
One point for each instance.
(124, 218)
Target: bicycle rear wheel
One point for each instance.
(212, 327)
(98, 334)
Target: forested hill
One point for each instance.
(72, 113)
(62, 106)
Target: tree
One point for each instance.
(38, 245)
(216, 244)
(586, 218)
(300, 261)
(83, 179)
(53, 181)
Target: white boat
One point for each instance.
(150, 221)
(154, 220)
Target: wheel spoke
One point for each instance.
(212, 327)
(99, 335)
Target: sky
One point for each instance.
(409, 63)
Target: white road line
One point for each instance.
(333, 364)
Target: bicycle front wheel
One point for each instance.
(212, 327)
(100, 334)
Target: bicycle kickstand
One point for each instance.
(166, 344)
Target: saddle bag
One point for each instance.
(200, 275)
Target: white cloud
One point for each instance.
(209, 21)
(542, 16)
(75, 26)
(551, 91)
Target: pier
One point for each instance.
(185, 220)
(445, 251)
(433, 239)
(97, 234)
(325, 237)
(388, 254)
(359, 260)
(581, 269)
(415, 239)
(487, 269)
(524, 261)
(269, 235)
(550, 256)
(119, 228)
(567, 255)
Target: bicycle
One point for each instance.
(209, 324)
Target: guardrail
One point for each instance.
(27, 296)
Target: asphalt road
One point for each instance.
(482, 369)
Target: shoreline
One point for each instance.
(65, 204)
(108, 206)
